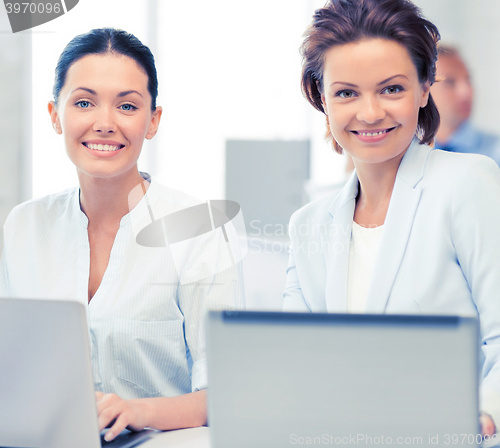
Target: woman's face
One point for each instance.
(372, 97)
(104, 113)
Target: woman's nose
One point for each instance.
(370, 110)
(104, 121)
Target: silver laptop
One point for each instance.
(281, 379)
(46, 389)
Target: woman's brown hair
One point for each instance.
(344, 21)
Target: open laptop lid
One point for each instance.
(281, 379)
(46, 388)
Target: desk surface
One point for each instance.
(182, 438)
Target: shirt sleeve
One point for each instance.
(220, 291)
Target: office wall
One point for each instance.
(15, 118)
(228, 71)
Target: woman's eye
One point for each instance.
(345, 94)
(128, 107)
(392, 90)
(83, 104)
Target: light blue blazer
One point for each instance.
(439, 251)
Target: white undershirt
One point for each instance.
(362, 254)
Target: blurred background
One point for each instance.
(235, 124)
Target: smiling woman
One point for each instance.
(147, 341)
(110, 121)
(411, 231)
(375, 114)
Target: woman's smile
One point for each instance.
(103, 148)
(373, 135)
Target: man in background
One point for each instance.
(453, 96)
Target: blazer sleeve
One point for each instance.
(9, 234)
(293, 298)
(475, 231)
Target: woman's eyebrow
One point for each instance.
(128, 92)
(390, 79)
(343, 83)
(92, 92)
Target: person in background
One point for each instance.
(453, 95)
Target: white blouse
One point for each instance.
(362, 255)
(146, 328)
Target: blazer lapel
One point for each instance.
(335, 243)
(397, 226)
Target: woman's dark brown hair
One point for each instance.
(344, 21)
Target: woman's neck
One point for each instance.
(376, 182)
(106, 200)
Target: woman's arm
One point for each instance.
(4, 278)
(183, 411)
(475, 235)
(293, 297)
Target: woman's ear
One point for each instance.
(426, 88)
(323, 102)
(54, 117)
(155, 122)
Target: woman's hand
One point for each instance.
(120, 413)
(164, 413)
(487, 426)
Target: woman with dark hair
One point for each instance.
(412, 231)
(147, 340)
